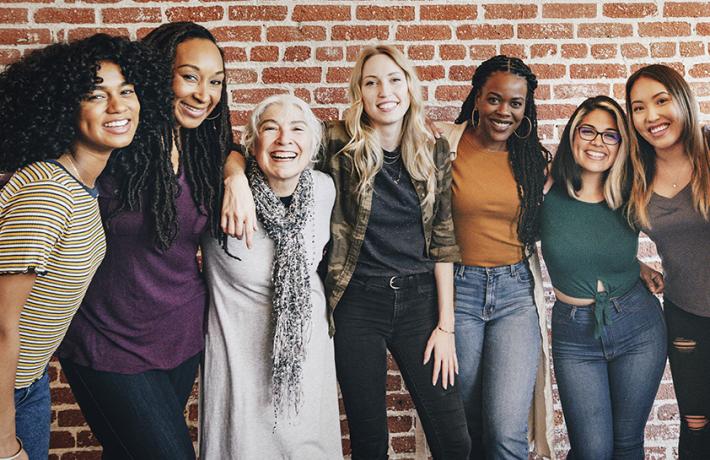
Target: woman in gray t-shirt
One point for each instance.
(670, 200)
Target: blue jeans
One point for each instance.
(607, 385)
(498, 347)
(371, 318)
(33, 414)
(136, 416)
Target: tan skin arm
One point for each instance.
(238, 213)
(653, 279)
(14, 291)
(442, 343)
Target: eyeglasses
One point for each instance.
(588, 133)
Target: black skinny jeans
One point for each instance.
(689, 356)
(371, 318)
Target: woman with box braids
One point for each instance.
(498, 177)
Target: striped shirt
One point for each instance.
(49, 225)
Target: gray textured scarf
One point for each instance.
(292, 288)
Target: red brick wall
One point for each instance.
(308, 48)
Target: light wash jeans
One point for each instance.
(33, 414)
(498, 348)
(607, 385)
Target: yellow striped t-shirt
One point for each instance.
(50, 225)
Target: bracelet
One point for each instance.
(438, 327)
(16, 455)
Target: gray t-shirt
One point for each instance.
(682, 238)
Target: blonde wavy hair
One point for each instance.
(364, 148)
(695, 144)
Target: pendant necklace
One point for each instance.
(75, 169)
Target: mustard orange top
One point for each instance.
(485, 205)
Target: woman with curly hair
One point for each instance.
(501, 340)
(132, 353)
(66, 110)
(670, 201)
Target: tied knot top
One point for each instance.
(584, 243)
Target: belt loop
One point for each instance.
(460, 270)
(572, 312)
(513, 269)
(617, 305)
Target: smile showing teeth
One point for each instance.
(283, 155)
(193, 110)
(501, 125)
(116, 124)
(387, 106)
(659, 129)
(595, 155)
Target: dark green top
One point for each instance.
(585, 242)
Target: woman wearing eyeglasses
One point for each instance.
(608, 334)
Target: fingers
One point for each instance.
(437, 369)
(427, 351)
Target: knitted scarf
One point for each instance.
(291, 297)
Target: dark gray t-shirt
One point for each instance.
(682, 238)
(394, 240)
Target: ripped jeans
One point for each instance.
(689, 355)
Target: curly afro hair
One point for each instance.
(148, 183)
(41, 93)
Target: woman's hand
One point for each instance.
(431, 126)
(238, 213)
(652, 279)
(443, 346)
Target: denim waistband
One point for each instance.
(395, 282)
(512, 269)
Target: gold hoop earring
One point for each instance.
(474, 123)
(530, 128)
(219, 114)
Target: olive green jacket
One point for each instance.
(352, 213)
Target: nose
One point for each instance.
(284, 137)
(503, 109)
(597, 140)
(651, 113)
(385, 89)
(201, 92)
(116, 104)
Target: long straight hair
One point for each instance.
(364, 147)
(695, 144)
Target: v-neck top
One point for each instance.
(682, 238)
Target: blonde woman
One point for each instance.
(608, 334)
(670, 200)
(390, 265)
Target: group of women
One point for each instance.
(379, 231)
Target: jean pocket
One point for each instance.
(523, 274)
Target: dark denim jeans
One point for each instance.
(689, 355)
(371, 318)
(33, 414)
(136, 416)
(498, 347)
(607, 385)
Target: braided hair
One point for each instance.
(147, 181)
(528, 158)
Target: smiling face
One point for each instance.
(198, 76)
(385, 93)
(501, 109)
(596, 156)
(109, 114)
(283, 146)
(656, 115)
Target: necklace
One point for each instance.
(74, 168)
(678, 175)
(390, 160)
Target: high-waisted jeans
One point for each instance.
(689, 355)
(371, 318)
(607, 385)
(498, 348)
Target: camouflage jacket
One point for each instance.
(351, 214)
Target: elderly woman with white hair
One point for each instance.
(269, 386)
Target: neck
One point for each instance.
(283, 187)
(592, 190)
(672, 155)
(486, 142)
(89, 164)
(389, 135)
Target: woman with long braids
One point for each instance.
(501, 339)
(390, 274)
(132, 353)
(66, 109)
(670, 201)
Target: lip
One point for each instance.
(499, 125)
(387, 106)
(118, 126)
(658, 129)
(191, 111)
(283, 155)
(595, 155)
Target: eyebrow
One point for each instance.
(616, 130)
(396, 72)
(493, 93)
(655, 95)
(197, 68)
(103, 87)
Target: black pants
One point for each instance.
(371, 318)
(136, 416)
(689, 355)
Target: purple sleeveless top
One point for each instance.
(145, 308)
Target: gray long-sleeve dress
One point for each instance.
(237, 415)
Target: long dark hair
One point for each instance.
(528, 158)
(41, 95)
(148, 182)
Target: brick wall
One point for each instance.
(577, 49)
